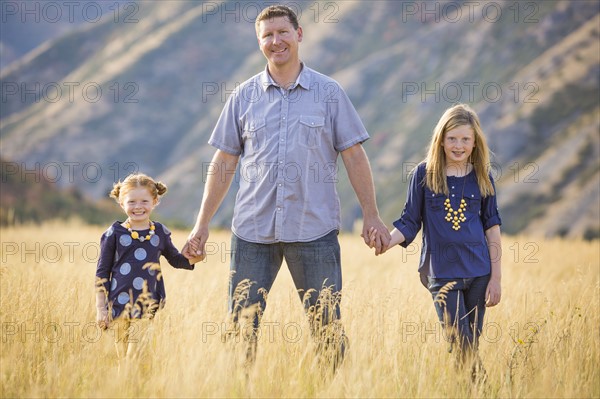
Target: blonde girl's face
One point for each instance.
(458, 145)
(138, 204)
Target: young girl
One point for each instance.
(452, 197)
(129, 283)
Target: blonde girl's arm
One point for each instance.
(409, 224)
(493, 292)
(397, 238)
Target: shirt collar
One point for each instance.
(303, 79)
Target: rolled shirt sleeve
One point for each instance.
(490, 216)
(410, 221)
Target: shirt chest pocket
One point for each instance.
(310, 131)
(435, 202)
(473, 203)
(254, 135)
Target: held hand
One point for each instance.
(373, 241)
(194, 247)
(372, 237)
(376, 235)
(190, 253)
(196, 259)
(493, 293)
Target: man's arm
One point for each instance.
(215, 189)
(359, 171)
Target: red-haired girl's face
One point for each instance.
(138, 204)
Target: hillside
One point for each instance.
(30, 195)
(26, 25)
(124, 96)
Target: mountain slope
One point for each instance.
(532, 74)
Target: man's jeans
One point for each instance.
(316, 270)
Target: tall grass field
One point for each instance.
(541, 341)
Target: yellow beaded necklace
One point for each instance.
(456, 217)
(136, 236)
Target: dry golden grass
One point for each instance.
(543, 340)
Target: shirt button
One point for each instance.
(278, 209)
(452, 187)
(453, 195)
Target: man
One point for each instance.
(287, 126)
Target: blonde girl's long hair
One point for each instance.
(435, 178)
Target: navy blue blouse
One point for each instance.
(129, 270)
(448, 253)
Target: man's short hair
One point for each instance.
(277, 11)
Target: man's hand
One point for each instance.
(376, 235)
(194, 247)
(396, 237)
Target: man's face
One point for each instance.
(278, 41)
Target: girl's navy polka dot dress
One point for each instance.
(129, 270)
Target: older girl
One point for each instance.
(453, 199)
